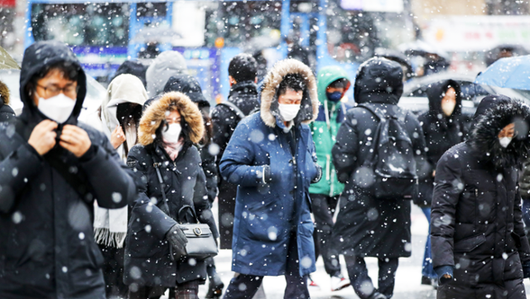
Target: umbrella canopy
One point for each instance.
(511, 72)
(422, 48)
(6, 61)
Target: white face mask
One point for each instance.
(172, 134)
(505, 141)
(448, 107)
(288, 111)
(57, 108)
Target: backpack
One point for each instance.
(391, 158)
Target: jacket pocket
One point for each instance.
(469, 244)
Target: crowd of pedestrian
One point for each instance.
(102, 207)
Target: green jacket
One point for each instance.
(324, 130)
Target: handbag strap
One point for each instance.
(184, 207)
(165, 207)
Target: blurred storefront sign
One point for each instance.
(373, 5)
(8, 3)
(477, 33)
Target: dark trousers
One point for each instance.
(245, 286)
(113, 272)
(362, 283)
(323, 210)
(227, 205)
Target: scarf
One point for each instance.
(173, 149)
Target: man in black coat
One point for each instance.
(242, 100)
(52, 168)
(367, 226)
(479, 245)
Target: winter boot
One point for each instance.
(377, 295)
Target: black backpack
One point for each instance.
(391, 158)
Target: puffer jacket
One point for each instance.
(441, 133)
(147, 255)
(266, 213)
(476, 228)
(367, 226)
(47, 247)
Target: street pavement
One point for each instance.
(408, 275)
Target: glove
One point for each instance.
(267, 178)
(319, 175)
(177, 240)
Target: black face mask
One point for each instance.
(334, 96)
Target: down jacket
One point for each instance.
(366, 226)
(441, 133)
(476, 228)
(47, 247)
(147, 255)
(266, 213)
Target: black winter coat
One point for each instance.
(441, 133)
(476, 227)
(47, 248)
(366, 226)
(147, 255)
(245, 96)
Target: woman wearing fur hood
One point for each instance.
(271, 156)
(168, 129)
(479, 245)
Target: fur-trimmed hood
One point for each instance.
(156, 113)
(500, 111)
(269, 100)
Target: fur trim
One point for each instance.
(155, 113)
(484, 137)
(4, 92)
(272, 82)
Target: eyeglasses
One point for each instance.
(52, 90)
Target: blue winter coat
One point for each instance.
(266, 213)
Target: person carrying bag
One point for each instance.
(157, 249)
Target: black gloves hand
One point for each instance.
(177, 239)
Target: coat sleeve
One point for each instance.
(445, 199)
(210, 171)
(524, 180)
(112, 181)
(201, 203)
(148, 212)
(222, 128)
(312, 151)
(236, 163)
(16, 171)
(519, 230)
(344, 151)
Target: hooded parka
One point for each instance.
(147, 255)
(441, 133)
(365, 225)
(165, 65)
(47, 248)
(324, 130)
(266, 213)
(476, 228)
(243, 95)
(189, 86)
